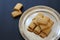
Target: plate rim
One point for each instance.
(33, 8)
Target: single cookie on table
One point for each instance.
(43, 35)
(18, 6)
(16, 13)
(37, 30)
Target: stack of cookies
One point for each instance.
(41, 25)
(17, 11)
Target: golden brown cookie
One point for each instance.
(16, 13)
(35, 22)
(43, 20)
(43, 27)
(47, 31)
(18, 6)
(50, 24)
(37, 30)
(39, 15)
(43, 35)
(32, 25)
(29, 29)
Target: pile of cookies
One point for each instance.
(41, 25)
(17, 11)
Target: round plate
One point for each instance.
(29, 14)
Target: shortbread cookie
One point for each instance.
(43, 20)
(16, 13)
(47, 31)
(32, 25)
(50, 24)
(18, 6)
(35, 22)
(39, 15)
(29, 29)
(43, 35)
(43, 27)
(37, 30)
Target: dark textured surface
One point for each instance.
(8, 25)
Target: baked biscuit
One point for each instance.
(43, 35)
(49, 25)
(47, 31)
(39, 15)
(29, 29)
(37, 30)
(35, 22)
(46, 18)
(43, 20)
(43, 27)
(16, 13)
(18, 6)
(32, 26)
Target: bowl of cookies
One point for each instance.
(40, 23)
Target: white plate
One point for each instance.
(29, 14)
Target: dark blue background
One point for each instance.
(8, 25)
